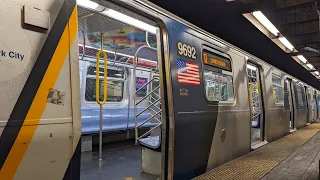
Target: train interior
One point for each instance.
(132, 114)
(257, 120)
(288, 102)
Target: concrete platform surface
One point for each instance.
(303, 164)
(294, 156)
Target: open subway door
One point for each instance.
(135, 103)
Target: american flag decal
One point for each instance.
(188, 73)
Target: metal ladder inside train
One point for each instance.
(255, 101)
(150, 138)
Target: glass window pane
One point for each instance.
(277, 89)
(219, 87)
(114, 90)
(300, 96)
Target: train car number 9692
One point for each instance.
(186, 50)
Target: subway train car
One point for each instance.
(204, 101)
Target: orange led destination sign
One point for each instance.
(216, 60)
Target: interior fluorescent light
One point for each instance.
(265, 22)
(118, 16)
(251, 67)
(129, 20)
(87, 4)
(302, 58)
(310, 66)
(286, 43)
(317, 73)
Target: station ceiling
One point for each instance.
(297, 20)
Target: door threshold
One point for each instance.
(293, 130)
(258, 145)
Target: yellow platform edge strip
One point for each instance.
(260, 167)
(39, 103)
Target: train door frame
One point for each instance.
(288, 85)
(318, 105)
(315, 103)
(308, 103)
(165, 79)
(167, 139)
(261, 102)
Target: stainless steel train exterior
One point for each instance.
(207, 119)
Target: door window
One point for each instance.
(300, 96)
(277, 90)
(217, 76)
(218, 86)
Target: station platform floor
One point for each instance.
(293, 157)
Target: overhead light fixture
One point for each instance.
(310, 66)
(286, 43)
(88, 4)
(251, 67)
(302, 59)
(265, 22)
(118, 16)
(317, 73)
(129, 20)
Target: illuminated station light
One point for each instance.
(286, 43)
(310, 66)
(265, 22)
(302, 59)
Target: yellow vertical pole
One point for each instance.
(101, 103)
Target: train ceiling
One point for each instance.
(118, 37)
(297, 20)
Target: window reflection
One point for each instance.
(277, 89)
(115, 85)
(219, 87)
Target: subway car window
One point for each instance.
(277, 89)
(114, 90)
(218, 77)
(115, 85)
